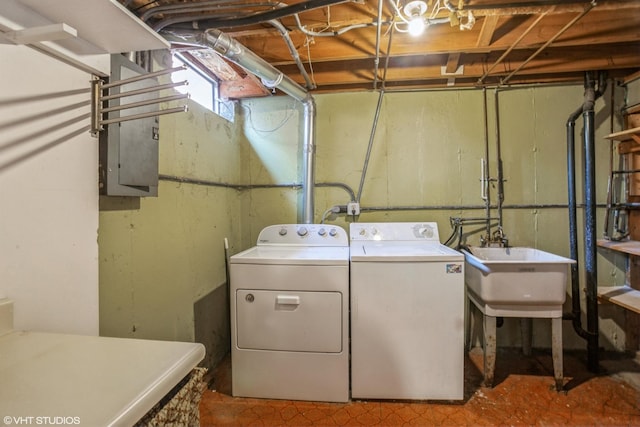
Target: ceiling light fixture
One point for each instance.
(414, 11)
(412, 16)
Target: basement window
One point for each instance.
(203, 89)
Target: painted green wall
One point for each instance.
(426, 153)
(160, 258)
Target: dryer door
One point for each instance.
(289, 320)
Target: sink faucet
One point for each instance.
(497, 239)
(500, 238)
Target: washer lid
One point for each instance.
(301, 255)
(403, 251)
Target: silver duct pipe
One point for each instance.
(273, 78)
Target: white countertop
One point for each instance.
(100, 381)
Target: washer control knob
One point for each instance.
(302, 231)
(427, 232)
(374, 231)
(333, 232)
(322, 232)
(363, 232)
(283, 231)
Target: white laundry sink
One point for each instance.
(516, 279)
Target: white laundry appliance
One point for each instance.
(407, 313)
(290, 315)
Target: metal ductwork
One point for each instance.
(272, 78)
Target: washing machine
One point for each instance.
(290, 315)
(407, 313)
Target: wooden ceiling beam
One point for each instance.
(421, 67)
(453, 62)
(607, 38)
(489, 24)
(594, 29)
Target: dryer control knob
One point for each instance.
(333, 232)
(302, 231)
(322, 232)
(283, 231)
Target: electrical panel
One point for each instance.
(128, 164)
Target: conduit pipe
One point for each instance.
(535, 7)
(372, 136)
(294, 53)
(335, 33)
(376, 62)
(374, 127)
(271, 77)
(241, 187)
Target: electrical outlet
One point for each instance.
(353, 208)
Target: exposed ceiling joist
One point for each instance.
(514, 41)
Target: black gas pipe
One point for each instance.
(588, 115)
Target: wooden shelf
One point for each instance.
(624, 296)
(627, 246)
(626, 135)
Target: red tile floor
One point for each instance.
(523, 395)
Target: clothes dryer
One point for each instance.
(289, 315)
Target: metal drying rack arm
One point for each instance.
(98, 87)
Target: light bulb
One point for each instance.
(416, 26)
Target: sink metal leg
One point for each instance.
(468, 322)
(556, 352)
(472, 327)
(525, 331)
(489, 331)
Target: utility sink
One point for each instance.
(518, 281)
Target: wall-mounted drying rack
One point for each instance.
(100, 95)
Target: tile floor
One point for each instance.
(523, 396)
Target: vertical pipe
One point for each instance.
(378, 35)
(487, 201)
(576, 311)
(308, 167)
(238, 54)
(500, 179)
(590, 237)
